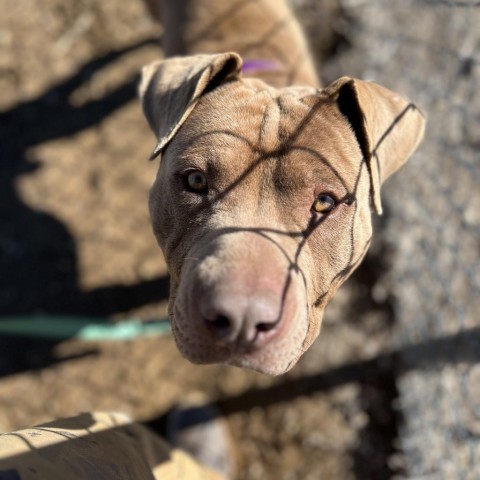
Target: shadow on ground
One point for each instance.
(38, 260)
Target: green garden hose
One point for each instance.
(50, 327)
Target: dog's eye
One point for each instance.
(324, 204)
(197, 181)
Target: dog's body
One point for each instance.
(255, 29)
(262, 203)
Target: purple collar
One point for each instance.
(259, 66)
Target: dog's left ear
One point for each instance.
(388, 127)
(171, 88)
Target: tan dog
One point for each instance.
(262, 202)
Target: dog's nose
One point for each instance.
(244, 320)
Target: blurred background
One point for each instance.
(391, 389)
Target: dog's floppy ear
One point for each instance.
(170, 89)
(388, 127)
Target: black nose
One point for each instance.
(232, 317)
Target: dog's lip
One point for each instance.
(244, 357)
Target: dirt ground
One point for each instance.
(75, 239)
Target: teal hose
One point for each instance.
(84, 328)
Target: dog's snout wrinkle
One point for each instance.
(240, 320)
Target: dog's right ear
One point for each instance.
(171, 88)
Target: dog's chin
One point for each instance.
(265, 360)
(269, 368)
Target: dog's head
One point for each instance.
(262, 202)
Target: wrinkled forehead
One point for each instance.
(238, 124)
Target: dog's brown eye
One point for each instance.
(197, 181)
(324, 204)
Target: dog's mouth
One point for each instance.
(272, 351)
